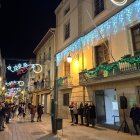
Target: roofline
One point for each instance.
(38, 46)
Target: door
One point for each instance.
(48, 104)
(45, 103)
(37, 100)
(100, 106)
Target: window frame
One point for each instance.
(66, 99)
(133, 36)
(104, 54)
(65, 66)
(65, 11)
(66, 35)
(99, 7)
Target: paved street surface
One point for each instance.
(20, 130)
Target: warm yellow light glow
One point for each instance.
(69, 59)
(0, 79)
(3, 88)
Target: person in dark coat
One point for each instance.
(92, 113)
(29, 110)
(20, 110)
(33, 111)
(71, 110)
(86, 113)
(135, 116)
(81, 110)
(40, 112)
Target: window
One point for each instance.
(66, 10)
(139, 92)
(49, 53)
(99, 6)
(66, 68)
(66, 99)
(67, 30)
(40, 60)
(44, 58)
(136, 37)
(102, 54)
(49, 74)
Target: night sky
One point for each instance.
(23, 23)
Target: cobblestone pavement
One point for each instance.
(18, 129)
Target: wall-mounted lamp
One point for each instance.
(69, 58)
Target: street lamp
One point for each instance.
(69, 58)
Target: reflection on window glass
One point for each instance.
(115, 105)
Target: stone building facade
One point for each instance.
(86, 78)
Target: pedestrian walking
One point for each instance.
(19, 110)
(1, 119)
(13, 112)
(33, 111)
(40, 112)
(22, 108)
(81, 110)
(75, 112)
(92, 113)
(135, 116)
(71, 110)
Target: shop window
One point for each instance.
(136, 37)
(66, 10)
(66, 99)
(66, 68)
(99, 6)
(139, 92)
(67, 30)
(102, 54)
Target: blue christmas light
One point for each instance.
(12, 82)
(113, 25)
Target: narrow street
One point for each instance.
(20, 130)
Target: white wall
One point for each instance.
(109, 98)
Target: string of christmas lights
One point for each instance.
(113, 25)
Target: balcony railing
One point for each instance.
(42, 85)
(125, 66)
(67, 83)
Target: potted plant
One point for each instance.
(136, 52)
(104, 63)
(126, 56)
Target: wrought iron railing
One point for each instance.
(67, 81)
(42, 85)
(123, 66)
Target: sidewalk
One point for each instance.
(20, 130)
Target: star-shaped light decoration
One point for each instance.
(19, 66)
(9, 67)
(25, 64)
(15, 68)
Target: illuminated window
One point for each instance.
(67, 30)
(102, 54)
(99, 6)
(66, 68)
(136, 37)
(66, 99)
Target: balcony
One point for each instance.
(123, 69)
(42, 86)
(66, 84)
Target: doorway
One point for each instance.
(107, 107)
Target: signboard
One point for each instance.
(119, 2)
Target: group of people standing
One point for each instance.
(8, 110)
(87, 111)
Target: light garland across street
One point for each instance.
(20, 83)
(121, 3)
(113, 25)
(24, 65)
